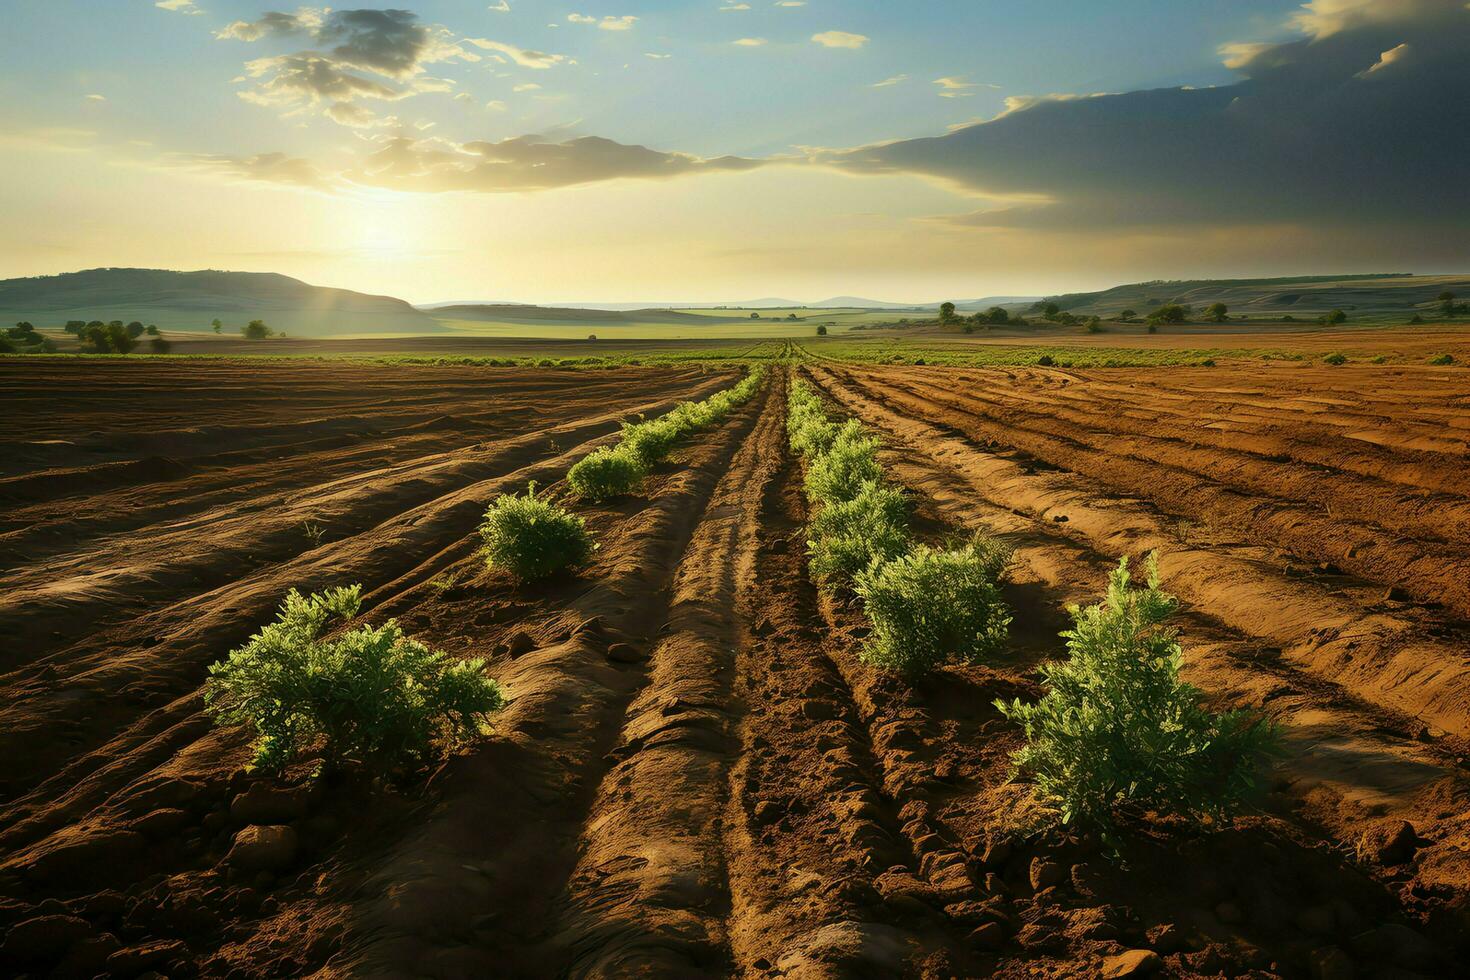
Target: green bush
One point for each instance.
(1443, 359)
(532, 538)
(930, 607)
(1119, 731)
(607, 473)
(847, 536)
(840, 472)
(373, 697)
(1335, 358)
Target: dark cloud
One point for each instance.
(1365, 123)
(292, 79)
(524, 163)
(389, 42)
(273, 24)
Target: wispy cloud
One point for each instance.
(954, 87)
(892, 80)
(840, 39)
(179, 6)
(503, 7)
(736, 6)
(525, 57)
(749, 42)
(607, 23)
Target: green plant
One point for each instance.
(256, 330)
(839, 473)
(1119, 731)
(368, 696)
(607, 473)
(930, 607)
(532, 538)
(1443, 359)
(847, 536)
(1335, 358)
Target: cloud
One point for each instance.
(749, 42)
(954, 87)
(1363, 126)
(526, 87)
(95, 97)
(273, 24)
(179, 6)
(525, 57)
(271, 168)
(500, 8)
(608, 23)
(524, 163)
(656, 57)
(301, 80)
(736, 6)
(839, 39)
(790, 3)
(893, 80)
(358, 117)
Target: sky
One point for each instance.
(654, 150)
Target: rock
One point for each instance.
(595, 626)
(1229, 913)
(1330, 963)
(995, 855)
(1166, 938)
(1398, 944)
(519, 644)
(105, 855)
(818, 710)
(1133, 963)
(161, 823)
(43, 939)
(625, 653)
(1388, 842)
(1316, 920)
(265, 803)
(1045, 873)
(263, 848)
(148, 956)
(989, 935)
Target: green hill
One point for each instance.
(185, 301)
(1388, 295)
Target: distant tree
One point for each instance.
(151, 330)
(110, 338)
(1217, 312)
(969, 326)
(821, 330)
(1127, 316)
(116, 325)
(1170, 313)
(135, 329)
(946, 312)
(755, 316)
(791, 316)
(1334, 318)
(216, 324)
(75, 327)
(1094, 325)
(997, 314)
(23, 331)
(160, 345)
(256, 330)
(592, 336)
(96, 323)
(1050, 310)
(1447, 303)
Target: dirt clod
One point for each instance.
(263, 849)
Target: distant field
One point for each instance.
(724, 325)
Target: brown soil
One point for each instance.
(696, 775)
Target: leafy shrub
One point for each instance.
(532, 538)
(1335, 358)
(1045, 360)
(847, 536)
(369, 696)
(256, 330)
(930, 607)
(607, 473)
(1443, 359)
(840, 472)
(1120, 731)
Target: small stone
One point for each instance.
(989, 935)
(625, 653)
(263, 848)
(1166, 938)
(1045, 873)
(519, 644)
(1133, 963)
(1330, 963)
(594, 625)
(1388, 842)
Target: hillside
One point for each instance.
(188, 301)
(1384, 294)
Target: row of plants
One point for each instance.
(616, 470)
(1118, 733)
(377, 701)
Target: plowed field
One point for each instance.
(696, 775)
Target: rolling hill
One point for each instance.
(1300, 296)
(188, 301)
